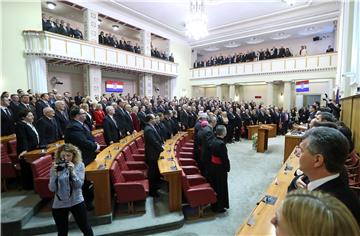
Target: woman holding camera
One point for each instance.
(66, 179)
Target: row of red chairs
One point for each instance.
(353, 167)
(197, 191)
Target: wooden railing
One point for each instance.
(279, 65)
(350, 115)
(50, 45)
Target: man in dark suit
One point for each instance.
(323, 152)
(329, 49)
(101, 38)
(111, 130)
(141, 115)
(78, 98)
(128, 124)
(25, 105)
(153, 148)
(47, 127)
(281, 52)
(61, 116)
(184, 118)
(7, 118)
(41, 104)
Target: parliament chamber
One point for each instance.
(189, 117)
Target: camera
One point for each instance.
(61, 165)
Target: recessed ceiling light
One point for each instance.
(51, 5)
(280, 36)
(232, 45)
(255, 40)
(211, 49)
(115, 27)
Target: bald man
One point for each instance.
(47, 127)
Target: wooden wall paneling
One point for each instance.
(355, 122)
(346, 111)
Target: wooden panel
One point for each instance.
(291, 141)
(355, 122)
(346, 111)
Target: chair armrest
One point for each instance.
(132, 176)
(130, 191)
(190, 170)
(200, 196)
(137, 165)
(138, 157)
(195, 180)
(187, 162)
(130, 172)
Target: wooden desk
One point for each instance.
(191, 132)
(273, 131)
(171, 170)
(37, 153)
(291, 141)
(98, 172)
(262, 142)
(6, 139)
(252, 129)
(263, 213)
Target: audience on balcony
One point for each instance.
(111, 40)
(161, 55)
(329, 49)
(60, 27)
(249, 56)
(303, 51)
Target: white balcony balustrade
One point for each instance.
(50, 45)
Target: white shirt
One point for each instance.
(316, 183)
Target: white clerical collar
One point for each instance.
(316, 183)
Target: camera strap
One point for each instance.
(70, 183)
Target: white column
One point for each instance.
(36, 70)
(331, 89)
(347, 76)
(145, 42)
(270, 93)
(146, 85)
(90, 19)
(287, 95)
(232, 92)
(92, 81)
(219, 92)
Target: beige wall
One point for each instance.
(16, 17)
(210, 92)
(182, 54)
(250, 91)
(72, 78)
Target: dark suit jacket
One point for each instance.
(21, 107)
(7, 122)
(141, 116)
(153, 144)
(49, 131)
(62, 121)
(40, 105)
(111, 132)
(26, 138)
(206, 136)
(77, 135)
(128, 124)
(184, 119)
(341, 191)
(89, 122)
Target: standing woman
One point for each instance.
(27, 139)
(66, 179)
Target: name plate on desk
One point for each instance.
(271, 200)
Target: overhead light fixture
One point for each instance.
(115, 27)
(99, 22)
(50, 5)
(280, 36)
(232, 45)
(255, 40)
(196, 21)
(290, 2)
(211, 49)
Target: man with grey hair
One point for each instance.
(323, 152)
(112, 132)
(202, 117)
(206, 137)
(219, 167)
(47, 127)
(61, 115)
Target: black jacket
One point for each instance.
(62, 121)
(111, 131)
(153, 143)
(7, 122)
(49, 131)
(26, 138)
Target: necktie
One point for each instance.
(7, 112)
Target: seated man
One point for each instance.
(323, 152)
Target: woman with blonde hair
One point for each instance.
(66, 179)
(314, 213)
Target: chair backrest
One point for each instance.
(139, 142)
(133, 148)
(116, 176)
(12, 146)
(122, 162)
(4, 154)
(184, 181)
(99, 138)
(41, 167)
(127, 153)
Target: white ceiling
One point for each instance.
(228, 21)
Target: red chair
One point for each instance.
(140, 145)
(132, 157)
(135, 151)
(9, 170)
(12, 151)
(41, 172)
(128, 187)
(99, 138)
(131, 166)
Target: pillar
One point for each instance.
(36, 71)
(287, 95)
(232, 92)
(219, 92)
(92, 81)
(146, 85)
(347, 76)
(145, 42)
(90, 19)
(331, 92)
(270, 93)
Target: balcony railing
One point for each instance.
(280, 65)
(50, 45)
